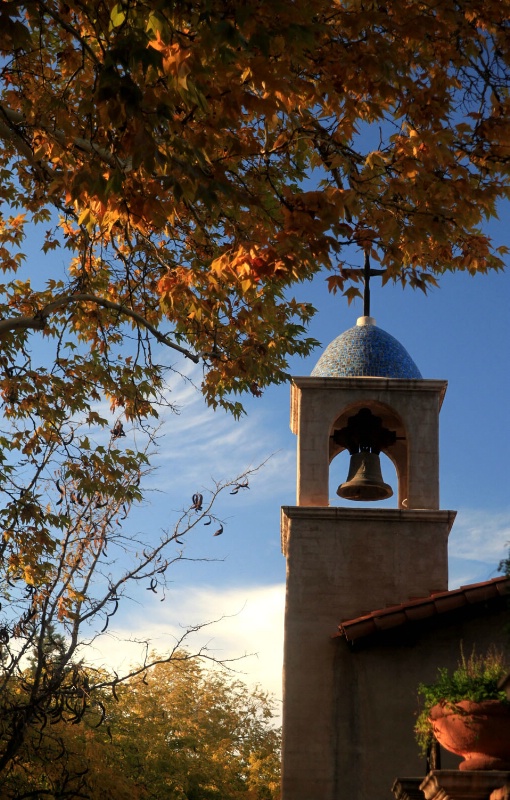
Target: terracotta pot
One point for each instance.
(479, 732)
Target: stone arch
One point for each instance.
(412, 406)
(398, 453)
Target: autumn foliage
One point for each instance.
(175, 732)
(183, 166)
(199, 159)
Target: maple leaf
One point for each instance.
(193, 163)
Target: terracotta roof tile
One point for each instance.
(421, 608)
(385, 621)
(418, 612)
(479, 593)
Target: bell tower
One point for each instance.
(367, 396)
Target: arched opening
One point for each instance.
(338, 472)
(368, 452)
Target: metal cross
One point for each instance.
(367, 274)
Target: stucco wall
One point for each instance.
(317, 404)
(376, 690)
(342, 563)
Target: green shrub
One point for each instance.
(475, 678)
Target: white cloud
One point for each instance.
(199, 444)
(250, 620)
(479, 540)
(480, 535)
(249, 627)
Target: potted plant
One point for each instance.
(468, 713)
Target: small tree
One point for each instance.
(172, 731)
(54, 620)
(195, 734)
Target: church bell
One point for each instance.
(364, 437)
(365, 480)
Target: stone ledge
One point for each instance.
(374, 384)
(362, 514)
(407, 789)
(454, 784)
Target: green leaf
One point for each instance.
(117, 17)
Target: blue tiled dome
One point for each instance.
(365, 351)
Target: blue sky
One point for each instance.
(461, 333)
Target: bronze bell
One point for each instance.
(365, 481)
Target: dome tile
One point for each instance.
(365, 351)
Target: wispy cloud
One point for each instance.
(248, 621)
(247, 628)
(479, 540)
(200, 444)
(480, 535)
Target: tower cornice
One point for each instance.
(377, 516)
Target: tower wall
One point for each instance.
(317, 403)
(343, 563)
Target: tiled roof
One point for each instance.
(365, 351)
(423, 608)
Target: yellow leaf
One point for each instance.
(117, 16)
(29, 575)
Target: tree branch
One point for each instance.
(39, 319)
(15, 118)
(69, 28)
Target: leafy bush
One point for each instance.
(475, 678)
